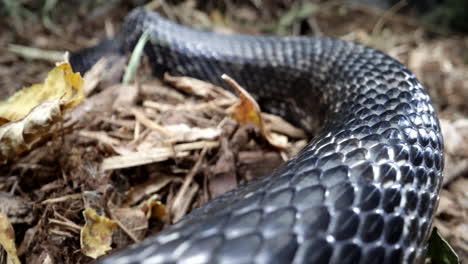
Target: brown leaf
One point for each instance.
(248, 111)
(148, 188)
(134, 221)
(154, 209)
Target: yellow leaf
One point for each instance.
(96, 235)
(7, 239)
(30, 115)
(61, 83)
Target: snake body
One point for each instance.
(363, 191)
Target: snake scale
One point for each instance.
(364, 190)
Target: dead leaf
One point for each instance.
(134, 223)
(31, 114)
(248, 111)
(7, 239)
(147, 188)
(96, 235)
(61, 84)
(21, 136)
(154, 209)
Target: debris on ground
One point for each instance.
(147, 152)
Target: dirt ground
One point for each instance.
(90, 161)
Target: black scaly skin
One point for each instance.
(363, 191)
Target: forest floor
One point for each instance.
(96, 159)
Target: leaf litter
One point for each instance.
(178, 142)
(125, 121)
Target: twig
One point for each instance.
(185, 186)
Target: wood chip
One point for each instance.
(100, 136)
(141, 158)
(193, 86)
(142, 118)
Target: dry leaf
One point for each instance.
(133, 223)
(248, 111)
(96, 235)
(61, 84)
(147, 188)
(154, 209)
(7, 239)
(29, 116)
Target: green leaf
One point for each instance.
(136, 58)
(439, 251)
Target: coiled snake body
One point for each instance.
(363, 191)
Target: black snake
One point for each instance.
(363, 191)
